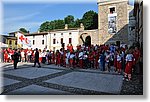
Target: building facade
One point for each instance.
(138, 14)
(54, 40)
(113, 21)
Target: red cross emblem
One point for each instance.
(26, 40)
(21, 38)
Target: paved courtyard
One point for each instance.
(50, 79)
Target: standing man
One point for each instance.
(36, 59)
(15, 58)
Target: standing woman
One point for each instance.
(129, 65)
(58, 56)
(119, 62)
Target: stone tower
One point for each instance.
(113, 21)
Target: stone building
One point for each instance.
(113, 21)
(138, 14)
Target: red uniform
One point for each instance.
(58, 57)
(5, 57)
(128, 68)
(136, 55)
(53, 57)
(129, 64)
(96, 60)
(115, 61)
(119, 62)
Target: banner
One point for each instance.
(21, 39)
(112, 28)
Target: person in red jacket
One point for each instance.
(5, 57)
(136, 54)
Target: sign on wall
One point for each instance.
(112, 28)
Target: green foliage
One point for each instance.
(77, 22)
(69, 19)
(90, 20)
(23, 30)
(56, 24)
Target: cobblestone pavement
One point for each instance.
(53, 80)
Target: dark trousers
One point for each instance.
(36, 61)
(15, 64)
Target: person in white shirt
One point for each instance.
(71, 59)
(67, 58)
(119, 62)
(81, 58)
(129, 66)
(22, 56)
(29, 55)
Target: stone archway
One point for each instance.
(88, 40)
(85, 38)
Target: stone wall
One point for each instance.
(92, 33)
(121, 22)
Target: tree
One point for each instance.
(90, 20)
(56, 24)
(77, 22)
(59, 24)
(45, 26)
(69, 19)
(23, 30)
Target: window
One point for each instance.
(61, 40)
(43, 36)
(70, 33)
(10, 42)
(112, 10)
(15, 42)
(70, 40)
(33, 36)
(54, 34)
(33, 42)
(53, 48)
(54, 41)
(61, 33)
(42, 42)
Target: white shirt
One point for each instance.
(29, 52)
(22, 54)
(72, 56)
(68, 55)
(80, 55)
(40, 54)
(129, 57)
(118, 58)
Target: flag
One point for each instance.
(20, 38)
(23, 40)
(27, 42)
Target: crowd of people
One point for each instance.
(102, 57)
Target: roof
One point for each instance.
(9, 37)
(45, 33)
(36, 33)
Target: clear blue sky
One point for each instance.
(31, 15)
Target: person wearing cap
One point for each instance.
(36, 59)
